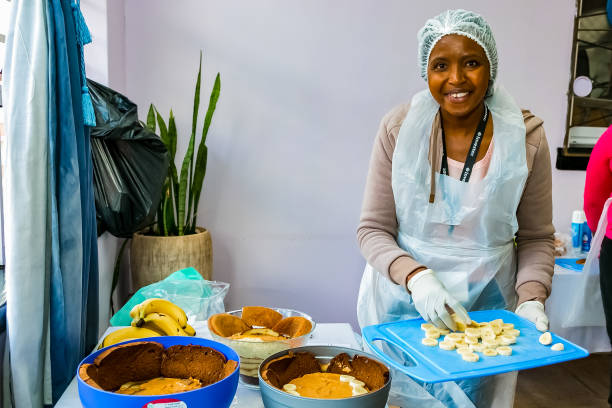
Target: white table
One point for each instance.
(593, 338)
(336, 334)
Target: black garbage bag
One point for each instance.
(130, 164)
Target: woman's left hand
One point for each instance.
(533, 311)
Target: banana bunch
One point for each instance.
(161, 316)
(127, 333)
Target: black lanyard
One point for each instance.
(472, 153)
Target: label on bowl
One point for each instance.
(165, 403)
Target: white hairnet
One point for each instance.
(459, 22)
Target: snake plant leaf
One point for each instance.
(202, 156)
(201, 160)
(194, 125)
(163, 130)
(169, 222)
(212, 105)
(172, 136)
(151, 119)
(183, 185)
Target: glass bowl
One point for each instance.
(252, 353)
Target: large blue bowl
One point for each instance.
(217, 395)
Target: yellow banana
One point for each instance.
(190, 331)
(162, 306)
(163, 323)
(127, 333)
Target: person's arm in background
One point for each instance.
(534, 238)
(377, 229)
(598, 184)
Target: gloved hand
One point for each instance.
(431, 298)
(533, 311)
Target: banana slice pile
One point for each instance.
(492, 338)
(151, 318)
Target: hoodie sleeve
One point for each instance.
(534, 238)
(377, 229)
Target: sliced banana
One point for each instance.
(429, 342)
(545, 338)
(490, 343)
(471, 357)
(464, 350)
(479, 347)
(489, 352)
(497, 329)
(444, 332)
(427, 326)
(557, 347)
(507, 326)
(496, 322)
(293, 387)
(432, 333)
(472, 332)
(456, 335)
(504, 350)
(447, 345)
(460, 323)
(471, 340)
(359, 390)
(489, 335)
(513, 332)
(506, 340)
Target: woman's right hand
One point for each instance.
(431, 300)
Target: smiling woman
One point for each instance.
(456, 177)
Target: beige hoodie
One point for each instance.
(378, 225)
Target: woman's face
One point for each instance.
(458, 75)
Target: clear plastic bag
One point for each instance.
(584, 305)
(198, 298)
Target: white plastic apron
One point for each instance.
(585, 307)
(466, 236)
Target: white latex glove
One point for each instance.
(431, 298)
(533, 311)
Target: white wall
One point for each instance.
(304, 85)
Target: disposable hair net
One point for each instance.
(461, 22)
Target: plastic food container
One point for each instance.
(217, 395)
(275, 398)
(253, 353)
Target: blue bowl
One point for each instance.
(217, 395)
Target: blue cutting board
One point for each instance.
(432, 364)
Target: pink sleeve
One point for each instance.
(598, 184)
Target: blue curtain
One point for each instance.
(74, 260)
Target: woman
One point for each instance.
(597, 191)
(455, 179)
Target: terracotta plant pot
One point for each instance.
(153, 258)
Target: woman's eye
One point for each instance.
(438, 66)
(472, 64)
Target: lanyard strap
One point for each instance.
(472, 153)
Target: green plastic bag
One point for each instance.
(187, 289)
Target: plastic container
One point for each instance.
(578, 219)
(275, 398)
(217, 395)
(253, 353)
(586, 237)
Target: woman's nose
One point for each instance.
(456, 75)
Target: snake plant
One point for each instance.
(178, 208)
